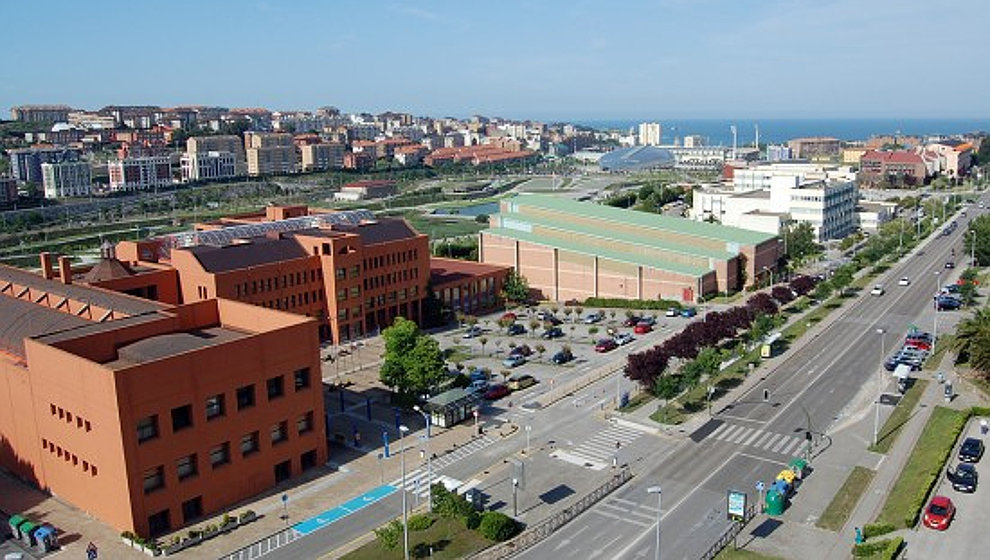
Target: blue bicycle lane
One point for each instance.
(353, 505)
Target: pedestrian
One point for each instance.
(983, 426)
(618, 444)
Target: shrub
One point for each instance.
(876, 529)
(885, 550)
(128, 535)
(472, 520)
(420, 522)
(631, 303)
(248, 515)
(389, 535)
(497, 526)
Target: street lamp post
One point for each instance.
(405, 525)
(656, 490)
(429, 463)
(935, 316)
(876, 420)
(529, 430)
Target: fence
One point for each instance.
(263, 546)
(729, 535)
(545, 528)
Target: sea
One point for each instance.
(718, 132)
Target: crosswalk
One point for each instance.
(627, 511)
(418, 480)
(598, 450)
(755, 437)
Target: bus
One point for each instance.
(771, 345)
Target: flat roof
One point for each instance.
(163, 346)
(451, 270)
(655, 222)
(256, 252)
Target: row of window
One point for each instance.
(277, 282)
(392, 297)
(383, 280)
(216, 407)
(391, 259)
(192, 509)
(341, 272)
(188, 466)
(63, 414)
(344, 293)
(57, 450)
(290, 302)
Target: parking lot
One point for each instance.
(967, 534)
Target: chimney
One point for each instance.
(65, 270)
(46, 265)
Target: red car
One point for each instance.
(939, 513)
(496, 392)
(642, 327)
(510, 316)
(606, 344)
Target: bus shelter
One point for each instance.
(450, 407)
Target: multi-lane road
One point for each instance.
(749, 439)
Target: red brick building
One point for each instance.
(897, 166)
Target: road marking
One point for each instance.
(742, 435)
(764, 459)
(727, 434)
(718, 431)
(621, 518)
(749, 440)
(763, 438)
(773, 440)
(794, 443)
(780, 444)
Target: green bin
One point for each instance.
(798, 466)
(775, 503)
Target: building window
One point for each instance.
(355, 291)
(341, 273)
(182, 418)
(147, 428)
(186, 467)
(280, 432)
(276, 388)
(341, 294)
(215, 407)
(283, 471)
(301, 378)
(220, 455)
(192, 509)
(305, 423)
(154, 479)
(355, 271)
(307, 460)
(159, 523)
(245, 397)
(249, 444)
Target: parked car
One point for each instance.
(477, 374)
(877, 290)
(971, 450)
(688, 312)
(631, 321)
(514, 329)
(514, 360)
(478, 386)
(521, 350)
(496, 392)
(642, 327)
(623, 338)
(509, 316)
(606, 345)
(950, 264)
(594, 317)
(671, 312)
(521, 382)
(947, 303)
(951, 288)
(939, 513)
(649, 319)
(553, 332)
(963, 478)
(553, 320)
(562, 357)
(472, 332)
(904, 281)
(920, 340)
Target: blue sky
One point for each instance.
(537, 59)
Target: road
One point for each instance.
(751, 440)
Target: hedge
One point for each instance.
(871, 530)
(661, 304)
(882, 550)
(497, 526)
(420, 522)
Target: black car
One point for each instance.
(631, 321)
(515, 328)
(562, 357)
(553, 332)
(971, 450)
(963, 478)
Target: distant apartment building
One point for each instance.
(777, 152)
(898, 166)
(888, 142)
(956, 156)
(40, 113)
(66, 179)
(140, 174)
(208, 166)
(133, 116)
(8, 190)
(221, 143)
(357, 132)
(760, 177)
(410, 155)
(25, 163)
(818, 147)
(362, 190)
(270, 153)
(694, 141)
(476, 155)
(321, 156)
(852, 155)
(649, 134)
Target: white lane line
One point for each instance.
(751, 438)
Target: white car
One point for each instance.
(877, 290)
(904, 281)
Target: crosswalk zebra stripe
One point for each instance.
(750, 439)
(741, 435)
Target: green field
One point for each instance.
(845, 500)
(899, 417)
(446, 538)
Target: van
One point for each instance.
(521, 382)
(903, 374)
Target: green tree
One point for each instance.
(389, 535)
(413, 361)
(979, 232)
(516, 288)
(972, 340)
(800, 241)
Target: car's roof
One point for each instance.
(941, 501)
(972, 441)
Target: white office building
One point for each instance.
(66, 179)
(649, 134)
(208, 166)
(140, 174)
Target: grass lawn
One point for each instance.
(835, 515)
(439, 227)
(448, 537)
(943, 343)
(923, 468)
(729, 553)
(458, 353)
(899, 417)
(637, 400)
